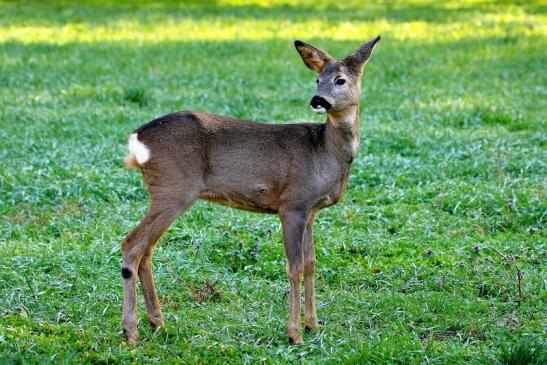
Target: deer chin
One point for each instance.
(319, 110)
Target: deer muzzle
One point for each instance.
(319, 104)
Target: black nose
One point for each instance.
(318, 102)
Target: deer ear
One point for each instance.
(316, 59)
(359, 58)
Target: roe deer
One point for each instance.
(293, 170)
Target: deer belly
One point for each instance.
(256, 202)
(327, 201)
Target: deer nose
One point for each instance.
(318, 102)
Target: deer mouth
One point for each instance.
(319, 109)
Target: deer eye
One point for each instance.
(317, 81)
(340, 82)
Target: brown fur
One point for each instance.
(293, 170)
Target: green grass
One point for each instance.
(417, 264)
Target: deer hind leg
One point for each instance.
(153, 310)
(137, 251)
(294, 225)
(310, 314)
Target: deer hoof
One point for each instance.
(131, 337)
(312, 325)
(157, 324)
(296, 340)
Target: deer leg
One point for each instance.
(310, 314)
(153, 310)
(294, 225)
(134, 248)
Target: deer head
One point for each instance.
(339, 82)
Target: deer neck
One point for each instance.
(343, 134)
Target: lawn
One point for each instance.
(435, 255)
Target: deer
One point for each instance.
(292, 170)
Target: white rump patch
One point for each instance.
(138, 149)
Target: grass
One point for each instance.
(436, 254)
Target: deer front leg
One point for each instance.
(294, 225)
(310, 314)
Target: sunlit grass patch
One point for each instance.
(242, 21)
(188, 30)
